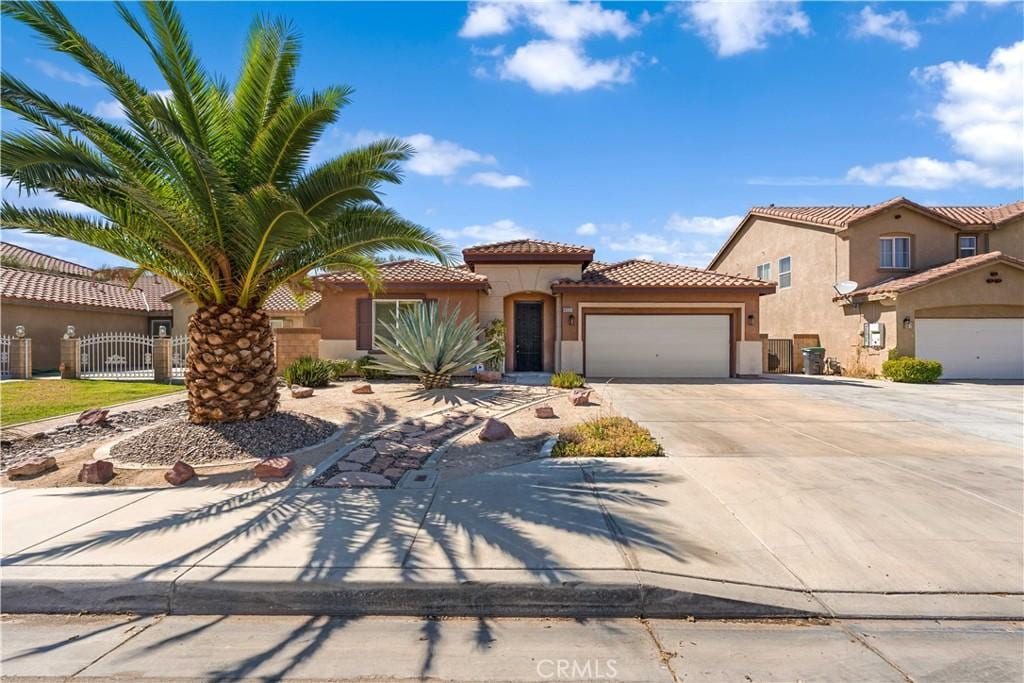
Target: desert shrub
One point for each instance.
(567, 380)
(606, 437)
(367, 368)
(341, 367)
(308, 372)
(912, 370)
(894, 354)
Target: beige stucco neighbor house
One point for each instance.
(286, 310)
(940, 282)
(564, 311)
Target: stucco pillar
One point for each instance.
(162, 359)
(21, 358)
(70, 357)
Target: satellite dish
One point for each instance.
(845, 287)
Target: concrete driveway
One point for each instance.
(865, 493)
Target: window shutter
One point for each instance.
(364, 324)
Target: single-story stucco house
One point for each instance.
(564, 311)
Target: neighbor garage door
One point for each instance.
(657, 345)
(983, 348)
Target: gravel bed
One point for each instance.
(278, 434)
(14, 450)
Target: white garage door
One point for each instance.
(657, 346)
(984, 348)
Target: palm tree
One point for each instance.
(208, 186)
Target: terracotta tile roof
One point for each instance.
(54, 288)
(155, 288)
(282, 299)
(26, 259)
(413, 272)
(927, 277)
(1005, 212)
(527, 247)
(641, 273)
(843, 216)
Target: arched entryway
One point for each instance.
(530, 332)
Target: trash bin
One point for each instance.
(814, 359)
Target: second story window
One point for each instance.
(785, 272)
(764, 272)
(894, 252)
(967, 245)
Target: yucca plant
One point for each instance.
(207, 184)
(432, 344)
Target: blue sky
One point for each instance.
(642, 129)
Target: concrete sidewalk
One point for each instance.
(546, 538)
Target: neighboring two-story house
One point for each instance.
(941, 282)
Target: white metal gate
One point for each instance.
(116, 355)
(179, 350)
(5, 357)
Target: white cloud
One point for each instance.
(53, 71)
(587, 229)
(736, 27)
(109, 109)
(551, 67)
(931, 174)
(498, 231)
(441, 157)
(42, 199)
(893, 26)
(559, 20)
(702, 225)
(498, 181)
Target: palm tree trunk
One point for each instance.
(231, 371)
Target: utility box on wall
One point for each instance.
(874, 335)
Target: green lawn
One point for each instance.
(37, 399)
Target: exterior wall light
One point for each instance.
(750, 319)
(19, 331)
(908, 323)
(572, 320)
(70, 333)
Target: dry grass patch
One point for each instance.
(606, 437)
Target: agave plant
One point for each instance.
(433, 345)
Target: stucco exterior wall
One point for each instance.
(184, 307)
(292, 343)
(932, 243)
(509, 278)
(46, 325)
(1008, 238)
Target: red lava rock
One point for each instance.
(179, 473)
(92, 416)
(96, 472)
(302, 392)
(488, 376)
(495, 430)
(32, 467)
(580, 397)
(281, 466)
(362, 388)
(394, 473)
(545, 412)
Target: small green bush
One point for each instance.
(567, 380)
(894, 354)
(606, 437)
(309, 372)
(367, 368)
(341, 367)
(912, 370)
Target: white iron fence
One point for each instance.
(116, 355)
(179, 350)
(5, 357)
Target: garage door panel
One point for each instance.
(973, 348)
(652, 345)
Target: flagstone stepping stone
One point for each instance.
(96, 472)
(358, 479)
(495, 430)
(385, 447)
(380, 464)
(346, 466)
(32, 467)
(407, 463)
(179, 473)
(362, 455)
(281, 466)
(394, 474)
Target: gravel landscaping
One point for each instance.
(278, 434)
(14, 450)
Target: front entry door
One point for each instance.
(529, 336)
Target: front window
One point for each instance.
(967, 245)
(894, 252)
(276, 323)
(764, 272)
(386, 311)
(785, 272)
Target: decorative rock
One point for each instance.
(388, 447)
(302, 392)
(346, 466)
(281, 466)
(92, 416)
(381, 464)
(488, 376)
(32, 467)
(354, 479)
(361, 455)
(580, 397)
(96, 472)
(362, 388)
(544, 412)
(179, 473)
(394, 473)
(495, 430)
